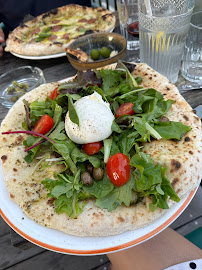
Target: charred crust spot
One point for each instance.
(28, 193)
(150, 78)
(84, 7)
(196, 118)
(104, 17)
(190, 152)
(178, 191)
(50, 201)
(96, 215)
(20, 138)
(185, 117)
(4, 140)
(89, 32)
(22, 25)
(167, 88)
(54, 11)
(14, 180)
(174, 182)
(197, 159)
(46, 15)
(199, 151)
(120, 219)
(94, 223)
(176, 164)
(155, 75)
(56, 42)
(15, 170)
(187, 139)
(145, 74)
(4, 158)
(12, 196)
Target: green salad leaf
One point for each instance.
(72, 112)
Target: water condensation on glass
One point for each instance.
(162, 35)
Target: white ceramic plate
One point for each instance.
(42, 57)
(60, 242)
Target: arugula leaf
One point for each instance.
(129, 77)
(150, 181)
(115, 127)
(64, 148)
(107, 149)
(38, 109)
(142, 126)
(31, 140)
(111, 81)
(100, 189)
(72, 112)
(59, 132)
(171, 130)
(117, 196)
(80, 156)
(66, 190)
(125, 143)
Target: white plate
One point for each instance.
(60, 242)
(42, 57)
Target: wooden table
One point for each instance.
(58, 69)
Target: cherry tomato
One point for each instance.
(126, 108)
(118, 169)
(54, 94)
(92, 148)
(44, 124)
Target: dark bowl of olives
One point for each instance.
(96, 50)
(17, 82)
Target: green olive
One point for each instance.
(98, 173)
(105, 52)
(86, 179)
(95, 54)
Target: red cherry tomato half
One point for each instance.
(54, 94)
(44, 124)
(126, 108)
(118, 169)
(92, 148)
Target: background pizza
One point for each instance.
(48, 33)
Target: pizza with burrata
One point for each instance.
(107, 152)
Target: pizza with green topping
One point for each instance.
(48, 33)
(105, 153)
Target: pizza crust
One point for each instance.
(182, 158)
(15, 43)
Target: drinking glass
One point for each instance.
(192, 57)
(128, 19)
(163, 27)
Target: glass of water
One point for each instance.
(163, 28)
(192, 57)
(128, 19)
